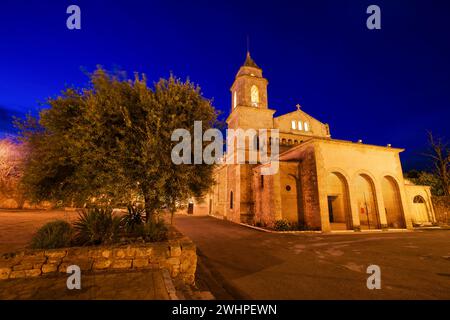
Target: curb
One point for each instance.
(279, 232)
(169, 285)
(336, 232)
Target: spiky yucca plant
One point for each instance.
(97, 226)
(133, 219)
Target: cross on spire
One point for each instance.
(298, 107)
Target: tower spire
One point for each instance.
(248, 45)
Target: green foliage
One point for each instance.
(423, 178)
(154, 231)
(114, 135)
(97, 226)
(133, 219)
(56, 234)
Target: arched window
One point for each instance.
(300, 125)
(254, 95)
(294, 125)
(419, 199)
(235, 99)
(231, 199)
(306, 125)
(256, 142)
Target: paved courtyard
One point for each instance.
(142, 285)
(245, 263)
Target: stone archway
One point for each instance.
(366, 202)
(338, 202)
(392, 203)
(421, 212)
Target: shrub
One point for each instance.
(55, 234)
(97, 226)
(133, 219)
(154, 231)
(282, 225)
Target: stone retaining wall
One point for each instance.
(177, 256)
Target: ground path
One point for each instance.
(246, 263)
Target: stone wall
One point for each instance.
(177, 256)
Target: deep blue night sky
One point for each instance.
(386, 86)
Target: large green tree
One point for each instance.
(111, 141)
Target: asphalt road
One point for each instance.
(238, 262)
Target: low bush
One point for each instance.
(282, 225)
(154, 231)
(55, 234)
(97, 226)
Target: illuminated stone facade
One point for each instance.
(322, 183)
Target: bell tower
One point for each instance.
(249, 104)
(249, 88)
(249, 110)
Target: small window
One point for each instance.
(262, 182)
(256, 142)
(288, 188)
(418, 199)
(235, 99)
(300, 127)
(254, 96)
(293, 125)
(231, 199)
(306, 126)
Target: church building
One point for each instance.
(322, 183)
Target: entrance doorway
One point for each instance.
(338, 202)
(421, 213)
(392, 204)
(190, 208)
(366, 202)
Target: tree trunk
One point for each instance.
(149, 203)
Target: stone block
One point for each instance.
(143, 252)
(175, 270)
(95, 253)
(4, 273)
(49, 267)
(119, 253)
(17, 274)
(75, 253)
(33, 273)
(106, 253)
(54, 261)
(8, 263)
(122, 264)
(85, 264)
(175, 251)
(56, 253)
(140, 263)
(124, 252)
(101, 264)
(174, 261)
(23, 266)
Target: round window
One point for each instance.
(288, 188)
